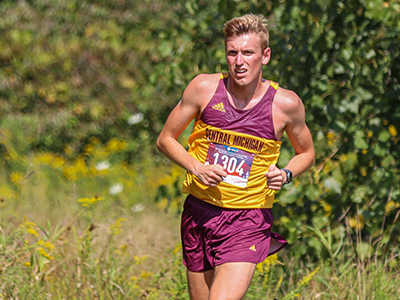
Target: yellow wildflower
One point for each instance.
(392, 130)
(16, 177)
(331, 137)
(177, 248)
(363, 172)
(115, 228)
(390, 206)
(265, 266)
(145, 274)
(57, 162)
(163, 203)
(30, 227)
(45, 158)
(327, 208)
(47, 244)
(357, 222)
(87, 202)
(88, 150)
(80, 165)
(27, 264)
(44, 253)
(307, 278)
(140, 259)
(70, 173)
(327, 168)
(115, 145)
(6, 192)
(32, 231)
(278, 285)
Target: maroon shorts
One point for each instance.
(213, 235)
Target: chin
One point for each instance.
(241, 81)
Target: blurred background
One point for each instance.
(90, 210)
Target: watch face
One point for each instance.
(289, 176)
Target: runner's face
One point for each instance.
(245, 58)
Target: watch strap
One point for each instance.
(289, 176)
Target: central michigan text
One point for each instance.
(233, 140)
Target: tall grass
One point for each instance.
(89, 228)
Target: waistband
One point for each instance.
(199, 202)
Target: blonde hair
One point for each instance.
(247, 24)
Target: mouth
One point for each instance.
(240, 72)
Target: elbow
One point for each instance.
(162, 142)
(159, 144)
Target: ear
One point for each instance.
(266, 55)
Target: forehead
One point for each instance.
(249, 40)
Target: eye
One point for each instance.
(232, 53)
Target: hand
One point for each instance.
(275, 178)
(211, 175)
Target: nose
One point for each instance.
(239, 59)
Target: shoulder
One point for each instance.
(288, 102)
(201, 89)
(204, 83)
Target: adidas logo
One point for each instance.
(253, 248)
(219, 106)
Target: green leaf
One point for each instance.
(364, 250)
(312, 192)
(333, 185)
(315, 244)
(388, 161)
(359, 194)
(384, 136)
(379, 151)
(359, 141)
(320, 221)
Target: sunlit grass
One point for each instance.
(94, 227)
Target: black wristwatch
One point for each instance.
(289, 176)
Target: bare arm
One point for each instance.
(290, 111)
(194, 99)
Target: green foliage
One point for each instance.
(342, 60)
(344, 65)
(71, 70)
(78, 75)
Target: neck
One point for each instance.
(247, 96)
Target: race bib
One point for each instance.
(237, 163)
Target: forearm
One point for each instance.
(301, 162)
(174, 151)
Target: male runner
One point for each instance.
(231, 174)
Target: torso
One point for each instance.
(243, 141)
(211, 83)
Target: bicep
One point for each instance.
(301, 139)
(297, 130)
(179, 119)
